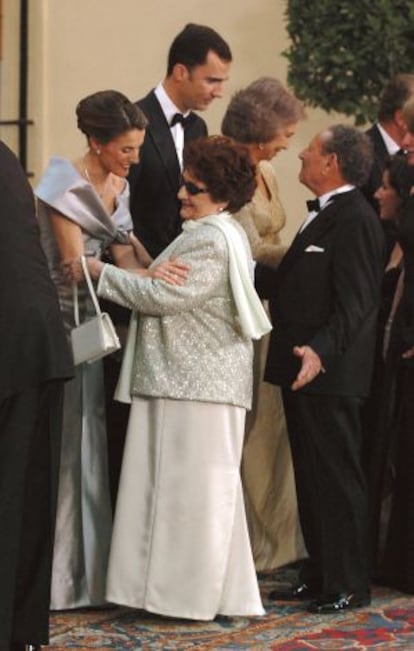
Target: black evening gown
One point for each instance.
(397, 563)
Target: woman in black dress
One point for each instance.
(397, 563)
(394, 191)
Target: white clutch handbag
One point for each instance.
(97, 337)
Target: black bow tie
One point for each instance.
(400, 152)
(178, 118)
(313, 205)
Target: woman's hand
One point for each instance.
(73, 272)
(171, 271)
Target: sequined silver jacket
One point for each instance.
(189, 345)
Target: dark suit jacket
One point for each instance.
(380, 158)
(155, 180)
(328, 299)
(33, 345)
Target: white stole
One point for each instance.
(253, 319)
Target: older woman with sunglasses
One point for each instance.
(180, 545)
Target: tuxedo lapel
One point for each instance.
(311, 234)
(159, 132)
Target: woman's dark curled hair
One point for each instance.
(224, 167)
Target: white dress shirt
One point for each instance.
(324, 199)
(391, 146)
(169, 109)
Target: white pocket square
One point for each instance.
(312, 248)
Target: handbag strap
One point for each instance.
(91, 292)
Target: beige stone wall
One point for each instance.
(9, 70)
(81, 46)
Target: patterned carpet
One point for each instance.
(387, 624)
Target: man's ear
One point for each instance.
(330, 163)
(180, 72)
(400, 121)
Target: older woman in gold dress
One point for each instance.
(263, 116)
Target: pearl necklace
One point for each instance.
(88, 178)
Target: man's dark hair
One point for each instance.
(396, 93)
(192, 45)
(354, 152)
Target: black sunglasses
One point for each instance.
(192, 188)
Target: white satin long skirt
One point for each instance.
(180, 544)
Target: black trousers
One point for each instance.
(30, 431)
(325, 437)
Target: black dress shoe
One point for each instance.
(336, 603)
(299, 592)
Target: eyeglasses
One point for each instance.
(192, 188)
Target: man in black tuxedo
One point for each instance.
(323, 302)
(34, 361)
(198, 65)
(386, 136)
